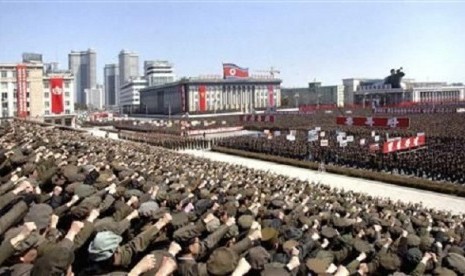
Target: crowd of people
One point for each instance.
(76, 204)
(442, 158)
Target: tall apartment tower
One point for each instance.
(128, 66)
(82, 65)
(111, 84)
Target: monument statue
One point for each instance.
(395, 78)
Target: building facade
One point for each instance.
(31, 101)
(128, 66)
(67, 93)
(40, 101)
(158, 72)
(129, 95)
(421, 92)
(327, 94)
(111, 84)
(211, 95)
(82, 65)
(95, 98)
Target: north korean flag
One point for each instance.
(231, 71)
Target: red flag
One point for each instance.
(231, 70)
(56, 87)
(202, 98)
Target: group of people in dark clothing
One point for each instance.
(71, 204)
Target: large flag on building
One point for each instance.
(21, 90)
(231, 71)
(202, 98)
(56, 87)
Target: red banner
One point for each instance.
(21, 91)
(256, 118)
(233, 71)
(202, 98)
(56, 87)
(404, 144)
(374, 122)
(270, 96)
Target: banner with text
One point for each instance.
(374, 122)
(21, 91)
(404, 144)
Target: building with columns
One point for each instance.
(211, 94)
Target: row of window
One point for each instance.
(4, 85)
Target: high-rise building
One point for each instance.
(158, 72)
(111, 84)
(128, 66)
(83, 66)
(94, 97)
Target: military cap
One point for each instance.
(362, 246)
(317, 266)
(288, 245)
(55, 262)
(328, 232)
(413, 240)
(441, 237)
(179, 220)
(456, 249)
(389, 261)
(442, 271)
(419, 221)
(257, 257)
(40, 214)
(186, 234)
(83, 190)
(425, 243)
(341, 222)
(222, 261)
(455, 262)
(414, 255)
(245, 221)
(396, 231)
(269, 235)
(201, 206)
(277, 203)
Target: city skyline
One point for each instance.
(306, 41)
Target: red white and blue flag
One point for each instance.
(231, 71)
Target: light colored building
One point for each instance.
(94, 98)
(129, 94)
(33, 90)
(128, 66)
(411, 91)
(111, 84)
(39, 97)
(82, 65)
(158, 72)
(67, 92)
(211, 94)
